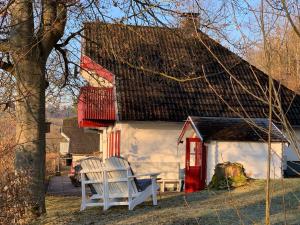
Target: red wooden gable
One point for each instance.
(88, 64)
(96, 107)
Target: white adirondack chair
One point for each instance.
(114, 183)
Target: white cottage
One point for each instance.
(207, 141)
(145, 81)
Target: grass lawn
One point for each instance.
(243, 205)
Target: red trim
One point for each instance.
(107, 145)
(117, 149)
(203, 163)
(93, 124)
(119, 145)
(116, 144)
(198, 151)
(185, 127)
(187, 155)
(194, 139)
(112, 143)
(88, 64)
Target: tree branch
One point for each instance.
(53, 24)
(6, 66)
(288, 15)
(63, 53)
(5, 8)
(68, 39)
(4, 45)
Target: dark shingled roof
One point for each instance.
(80, 141)
(140, 56)
(236, 129)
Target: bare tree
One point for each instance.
(294, 19)
(33, 29)
(30, 31)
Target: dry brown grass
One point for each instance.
(205, 207)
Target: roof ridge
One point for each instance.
(101, 23)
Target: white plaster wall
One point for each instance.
(290, 152)
(253, 156)
(151, 146)
(104, 144)
(94, 80)
(63, 148)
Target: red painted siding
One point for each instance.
(113, 146)
(96, 107)
(118, 143)
(107, 146)
(88, 64)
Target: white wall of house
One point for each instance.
(290, 152)
(103, 142)
(64, 148)
(94, 80)
(252, 155)
(151, 146)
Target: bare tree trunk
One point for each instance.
(30, 46)
(30, 109)
(270, 86)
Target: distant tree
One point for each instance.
(285, 57)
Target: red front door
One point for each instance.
(195, 165)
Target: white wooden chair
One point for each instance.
(114, 184)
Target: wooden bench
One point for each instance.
(162, 184)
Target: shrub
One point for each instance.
(13, 197)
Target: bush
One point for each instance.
(14, 201)
(13, 197)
